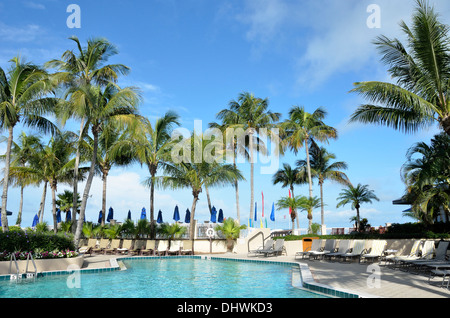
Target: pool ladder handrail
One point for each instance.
(29, 256)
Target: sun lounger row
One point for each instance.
(270, 248)
(137, 247)
(343, 250)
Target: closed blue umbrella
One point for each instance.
(58, 215)
(35, 220)
(220, 217)
(68, 216)
(256, 211)
(176, 214)
(160, 218)
(129, 215)
(272, 214)
(143, 214)
(100, 214)
(110, 214)
(187, 218)
(213, 214)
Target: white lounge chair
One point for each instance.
(396, 259)
(278, 248)
(162, 247)
(357, 249)
(316, 245)
(426, 253)
(375, 251)
(330, 246)
(265, 248)
(175, 248)
(344, 247)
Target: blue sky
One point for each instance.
(193, 57)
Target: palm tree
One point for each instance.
(193, 174)
(24, 97)
(151, 145)
(109, 138)
(427, 177)
(288, 177)
(292, 203)
(356, 196)
(253, 114)
(85, 67)
(302, 128)
(101, 107)
(172, 231)
(308, 204)
(231, 230)
(322, 168)
(21, 152)
(65, 201)
(422, 73)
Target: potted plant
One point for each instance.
(230, 229)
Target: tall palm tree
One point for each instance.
(230, 122)
(288, 177)
(193, 174)
(253, 114)
(322, 168)
(150, 145)
(356, 196)
(301, 128)
(102, 106)
(21, 153)
(24, 98)
(421, 69)
(53, 165)
(107, 157)
(86, 66)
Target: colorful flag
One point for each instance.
(290, 210)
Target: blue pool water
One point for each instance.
(168, 278)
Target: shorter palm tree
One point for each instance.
(292, 203)
(356, 196)
(308, 204)
(172, 231)
(231, 230)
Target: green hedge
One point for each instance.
(20, 241)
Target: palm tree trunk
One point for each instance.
(75, 180)
(6, 180)
(252, 196)
(208, 198)
(357, 217)
(87, 188)
(19, 214)
(105, 180)
(42, 205)
(236, 186)
(322, 213)
(192, 221)
(295, 209)
(152, 205)
(308, 168)
(55, 221)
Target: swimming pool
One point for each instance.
(169, 278)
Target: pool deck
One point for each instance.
(345, 276)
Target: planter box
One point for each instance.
(42, 265)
